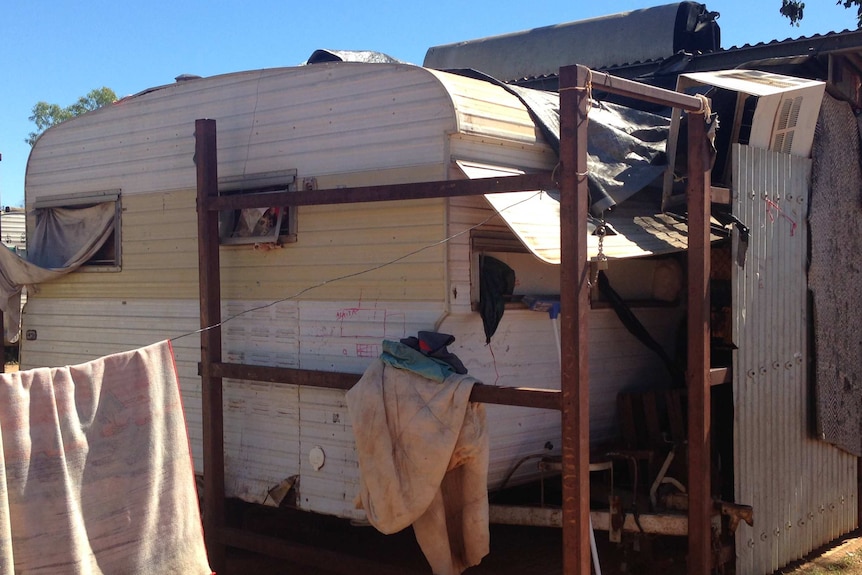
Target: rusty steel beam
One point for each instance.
(394, 192)
(654, 523)
(574, 305)
(653, 94)
(520, 396)
(698, 376)
(483, 393)
(206, 164)
(269, 374)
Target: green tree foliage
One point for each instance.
(46, 115)
(793, 9)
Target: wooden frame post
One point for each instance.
(698, 376)
(574, 305)
(206, 163)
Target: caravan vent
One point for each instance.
(788, 116)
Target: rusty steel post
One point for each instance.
(574, 306)
(698, 376)
(206, 163)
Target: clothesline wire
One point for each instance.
(357, 273)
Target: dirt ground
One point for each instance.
(841, 557)
(538, 555)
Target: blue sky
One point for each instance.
(57, 51)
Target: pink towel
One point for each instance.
(96, 475)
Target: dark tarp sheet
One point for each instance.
(625, 147)
(62, 241)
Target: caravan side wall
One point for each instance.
(343, 125)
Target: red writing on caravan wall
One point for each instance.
(773, 209)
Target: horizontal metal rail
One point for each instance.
(653, 523)
(386, 193)
(482, 393)
(518, 396)
(644, 92)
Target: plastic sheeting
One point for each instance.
(367, 56)
(651, 33)
(625, 146)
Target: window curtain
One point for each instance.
(63, 239)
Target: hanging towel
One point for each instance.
(423, 461)
(96, 475)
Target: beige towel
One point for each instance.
(423, 460)
(96, 475)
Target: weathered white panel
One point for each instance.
(486, 109)
(500, 152)
(324, 119)
(261, 333)
(523, 353)
(346, 336)
(803, 490)
(270, 428)
(261, 437)
(325, 424)
(321, 119)
(74, 331)
(465, 213)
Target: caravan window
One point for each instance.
(272, 224)
(532, 276)
(77, 230)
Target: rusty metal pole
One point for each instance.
(700, 496)
(206, 162)
(574, 305)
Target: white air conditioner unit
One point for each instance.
(786, 108)
(759, 109)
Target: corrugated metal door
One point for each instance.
(802, 490)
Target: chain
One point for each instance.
(601, 259)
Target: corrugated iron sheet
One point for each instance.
(803, 490)
(13, 233)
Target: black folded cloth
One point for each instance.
(433, 344)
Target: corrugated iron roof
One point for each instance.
(663, 71)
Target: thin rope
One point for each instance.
(705, 106)
(358, 273)
(588, 89)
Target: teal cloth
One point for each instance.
(405, 357)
